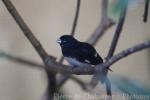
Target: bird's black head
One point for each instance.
(67, 41)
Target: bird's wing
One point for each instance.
(88, 54)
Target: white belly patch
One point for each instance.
(74, 62)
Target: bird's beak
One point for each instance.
(59, 41)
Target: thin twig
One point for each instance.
(146, 10)
(34, 64)
(117, 32)
(88, 70)
(105, 24)
(76, 18)
(127, 52)
(63, 78)
(84, 86)
(81, 83)
(74, 25)
(54, 66)
(114, 44)
(21, 60)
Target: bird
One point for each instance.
(78, 53)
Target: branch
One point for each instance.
(103, 76)
(88, 70)
(126, 53)
(63, 78)
(21, 60)
(99, 33)
(117, 32)
(74, 25)
(53, 66)
(146, 10)
(33, 64)
(35, 43)
(105, 23)
(62, 68)
(76, 18)
(99, 68)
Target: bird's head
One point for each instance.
(67, 41)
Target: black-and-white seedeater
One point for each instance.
(78, 53)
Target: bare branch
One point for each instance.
(52, 66)
(27, 32)
(146, 10)
(117, 32)
(83, 85)
(74, 25)
(76, 18)
(35, 43)
(63, 78)
(21, 60)
(91, 70)
(33, 64)
(63, 68)
(127, 52)
(88, 70)
(105, 23)
(103, 76)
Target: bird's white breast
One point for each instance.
(74, 62)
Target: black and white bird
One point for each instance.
(78, 53)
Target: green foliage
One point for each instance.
(116, 7)
(129, 87)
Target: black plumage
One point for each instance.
(77, 53)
